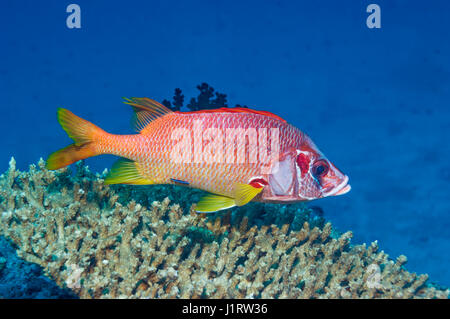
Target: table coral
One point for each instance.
(101, 243)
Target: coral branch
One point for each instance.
(116, 242)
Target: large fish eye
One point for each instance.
(320, 168)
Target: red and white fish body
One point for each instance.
(238, 155)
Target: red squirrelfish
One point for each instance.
(238, 155)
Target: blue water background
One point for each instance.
(376, 101)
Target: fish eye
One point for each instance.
(320, 168)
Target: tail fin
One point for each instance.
(85, 135)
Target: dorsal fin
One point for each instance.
(236, 110)
(145, 111)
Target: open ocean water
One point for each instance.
(375, 100)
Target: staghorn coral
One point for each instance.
(21, 279)
(103, 244)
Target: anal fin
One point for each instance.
(125, 171)
(244, 193)
(212, 203)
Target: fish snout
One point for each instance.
(342, 188)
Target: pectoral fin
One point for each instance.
(212, 203)
(244, 193)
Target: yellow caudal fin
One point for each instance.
(85, 135)
(125, 171)
(212, 203)
(244, 193)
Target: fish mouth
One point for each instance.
(344, 190)
(341, 189)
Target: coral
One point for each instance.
(203, 101)
(21, 279)
(178, 100)
(116, 242)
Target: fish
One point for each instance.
(237, 155)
